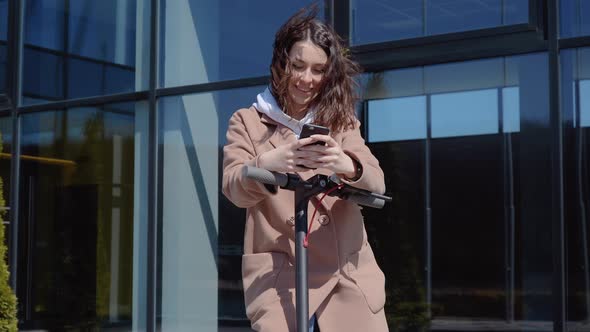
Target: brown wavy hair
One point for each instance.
(336, 95)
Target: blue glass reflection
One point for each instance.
(397, 119)
(378, 21)
(462, 76)
(206, 41)
(511, 110)
(3, 34)
(42, 75)
(465, 113)
(108, 79)
(103, 30)
(443, 16)
(45, 22)
(574, 20)
(3, 63)
(515, 11)
(78, 49)
(3, 19)
(393, 20)
(585, 103)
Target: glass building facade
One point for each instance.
(113, 115)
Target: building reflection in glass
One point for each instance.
(467, 233)
(78, 264)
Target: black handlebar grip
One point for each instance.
(369, 201)
(265, 176)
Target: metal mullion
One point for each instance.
(66, 54)
(152, 185)
(575, 42)
(535, 16)
(342, 19)
(82, 102)
(427, 201)
(579, 137)
(447, 37)
(213, 86)
(450, 48)
(14, 36)
(66, 46)
(557, 181)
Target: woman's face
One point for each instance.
(308, 63)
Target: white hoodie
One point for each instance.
(266, 104)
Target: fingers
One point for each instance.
(304, 141)
(326, 139)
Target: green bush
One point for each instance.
(8, 321)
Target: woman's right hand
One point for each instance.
(287, 158)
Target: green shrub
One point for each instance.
(8, 321)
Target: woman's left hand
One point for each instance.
(329, 156)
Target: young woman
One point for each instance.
(311, 82)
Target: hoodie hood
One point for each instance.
(266, 104)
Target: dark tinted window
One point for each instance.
(465, 149)
(576, 107)
(575, 18)
(77, 49)
(77, 246)
(3, 39)
(378, 21)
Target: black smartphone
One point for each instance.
(311, 129)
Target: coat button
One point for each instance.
(290, 221)
(324, 220)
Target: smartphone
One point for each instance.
(311, 129)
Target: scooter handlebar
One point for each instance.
(265, 176)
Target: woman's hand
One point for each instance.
(329, 156)
(287, 158)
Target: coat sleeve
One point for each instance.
(372, 177)
(237, 153)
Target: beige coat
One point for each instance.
(346, 287)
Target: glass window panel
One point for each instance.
(444, 16)
(574, 21)
(467, 196)
(110, 79)
(3, 40)
(42, 75)
(583, 67)
(576, 182)
(485, 198)
(515, 11)
(585, 103)
(462, 76)
(510, 108)
(379, 21)
(396, 83)
(105, 49)
(81, 169)
(396, 233)
(3, 67)
(202, 232)
(5, 160)
(103, 30)
(47, 25)
(207, 41)
(376, 21)
(465, 113)
(397, 119)
(3, 19)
